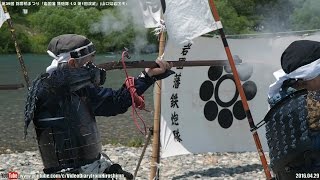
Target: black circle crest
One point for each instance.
(228, 109)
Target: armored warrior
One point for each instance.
(293, 122)
(63, 103)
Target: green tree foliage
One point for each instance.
(249, 16)
(269, 15)
(7, 43)
(308, 16)
(275, 15)
(53, 21)
(233, 20)
(112, 28)
(49, 22)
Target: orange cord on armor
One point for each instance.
(137, 101)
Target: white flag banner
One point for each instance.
(186, 20)
(151, 11)
(3, 16)
(201, 110)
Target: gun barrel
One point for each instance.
(153, 64)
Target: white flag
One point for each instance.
(151, 11)
(200, 106)
(3, 16)
(186, 20)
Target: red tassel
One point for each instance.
(138, 100)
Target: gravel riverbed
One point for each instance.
(245, 165)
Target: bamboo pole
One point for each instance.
(13, 35)
(155, 159)
(147, 141)
(241, 91)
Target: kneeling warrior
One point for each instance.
(63, 103)
(293, 122)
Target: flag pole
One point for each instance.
(13, 35)
(156, 122)
(241, 91)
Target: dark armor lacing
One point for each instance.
(54, 92)
(31, 102)
(289, 137)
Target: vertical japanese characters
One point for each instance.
(174, 99)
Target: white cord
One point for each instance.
(161, 57)
(156, 177)
(161, 28)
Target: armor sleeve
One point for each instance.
(109, 102)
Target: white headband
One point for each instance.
(64, 57)
(306, 72)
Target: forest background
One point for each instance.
(36, 28)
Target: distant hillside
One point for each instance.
(111, 28)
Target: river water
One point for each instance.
(113, 129)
